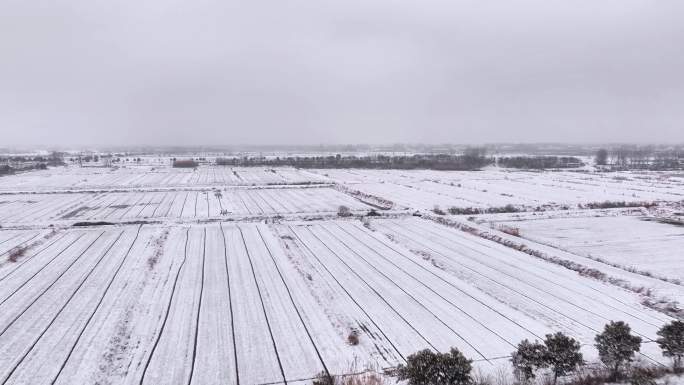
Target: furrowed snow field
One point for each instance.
(172, 204)
(268, 304)
(236, 275)
(424, 189)
(627, 241)
(94, 178)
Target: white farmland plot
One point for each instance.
(178, 301)
(627, 241)
(154, 304)
(552, 295)
(223, 303)
(93, 178)
(172, 204)
(424, 189)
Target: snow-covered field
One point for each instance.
(97, 178)
(225, 275)
(495, 188)
(628, 241)
(265, 304)
(172, 204)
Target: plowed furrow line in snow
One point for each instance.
(159, 204)
(411, 296)
(351, 297)
(294, 305)
(230, 304)
(525, 272)
(276, 201)
(23, 209)
(132, 199)
(168, 309)
(10, 237)
(250, 196)
(79, 201)
(18, 245)
(137, 201)
(9, 246)
(263, 307)
(255, 206)
(199, 308)
(173, 356)
(259, 194)
(215, 349)
(111, 199)
(422, 283)
(17, 265)
(145, 206)
(121, 199)
(552, 282)
(166, 214)
(218, 199)
(255, 350)
(451, 284)
(555, 311)
(8, 375)
(293, 199)
(380, 296)
(239, 195)
(206, 197)
(97, 307)
(28, 213)
(23, 284)
(413, 237)
(183, 207)
(7, 235)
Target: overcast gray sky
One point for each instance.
(93, 72)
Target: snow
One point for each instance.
(421, 189)
(630, 242)
(227, 275)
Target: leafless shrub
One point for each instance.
(158, 251)
(353, 338)
(360, 379)
(481, 378)
(643, 376)
(343, 211)
(366, 378)
(616, 204)
(16, 253)
(514, 231)
(324, 378)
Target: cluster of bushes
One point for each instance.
(26, 162)
(616, 204)
(539, 162)
(640, 157)
(559, 355)
(472, 159)
(9, 170)
(16, 253)
(184, 163)
(509, 208)
(6, 170)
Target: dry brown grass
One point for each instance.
(353, 338)
(16, 253)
